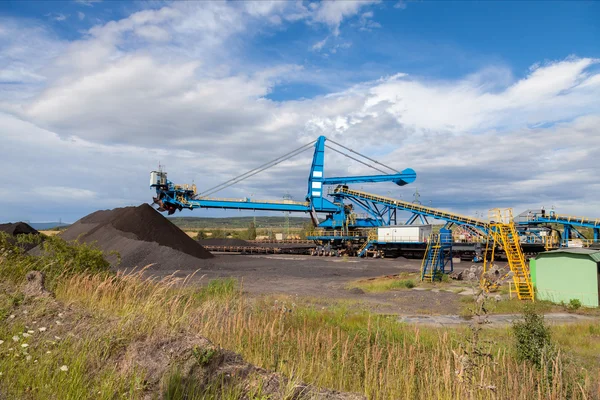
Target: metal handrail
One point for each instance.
(413, 207)
(247, 200)
(339, 233)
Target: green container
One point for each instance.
(566, 274)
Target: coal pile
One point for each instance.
(141, 236)
(226, 242)
(18, 228)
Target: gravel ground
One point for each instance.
(325, 279)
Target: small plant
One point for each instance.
(203, 355)
(409, 284)
(574, 304)
(219, 288)
(532, 338)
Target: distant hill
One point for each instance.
(236, 222)
(44, 226)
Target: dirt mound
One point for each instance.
(18, 228)
(225, 242)
(141, 236)
(35, 285)
(200, 363)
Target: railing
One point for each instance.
(402, 239)
(357, 234)
(247, 200)
(414, 207)
(560, 218)
(571, 218)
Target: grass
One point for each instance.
(516, 306)
(338, 348)
(385, 283)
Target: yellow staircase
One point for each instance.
(431, 257)
(372, 237)
(505, 233)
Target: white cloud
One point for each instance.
(26, 48)
(57, 16)
(153, 33)
(334, 12)
(80, 15)
(366, 23)
(88, 3)
(62, 193)
(319, 45)
(167, 85)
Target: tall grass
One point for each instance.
(363, 353)
(334, 348)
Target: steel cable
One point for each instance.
(362, 155)
(255, 171)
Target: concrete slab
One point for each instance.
(493, 319)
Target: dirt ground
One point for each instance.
(325, 279)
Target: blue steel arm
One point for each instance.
(403, 178)
(247, 205)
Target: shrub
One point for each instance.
(409, 284)
(56, 257)
(532, 338)
(574, 304)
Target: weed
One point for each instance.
(574, 304)
(334, 347)
(383, 284)
(217, 289)
(203, 355)
(532, 338)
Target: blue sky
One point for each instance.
(493, 103)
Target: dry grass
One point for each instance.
(334, 348)
(361, 353)
(50, 233)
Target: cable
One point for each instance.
(357, 160)
(267, 164)
(362, 155)
(253, 172)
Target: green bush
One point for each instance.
(532, 338)
(409, 284)
(55, 257)
(574, 304)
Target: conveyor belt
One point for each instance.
(416, 208)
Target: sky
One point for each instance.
(493, 104)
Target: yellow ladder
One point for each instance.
(370, 238)
(434, 247)
(505, 232)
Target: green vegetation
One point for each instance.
(57, 258)
(532, 338)
(574, 304)
(217, 289)
(385, 283)
(100, 322)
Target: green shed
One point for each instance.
(565, 274)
